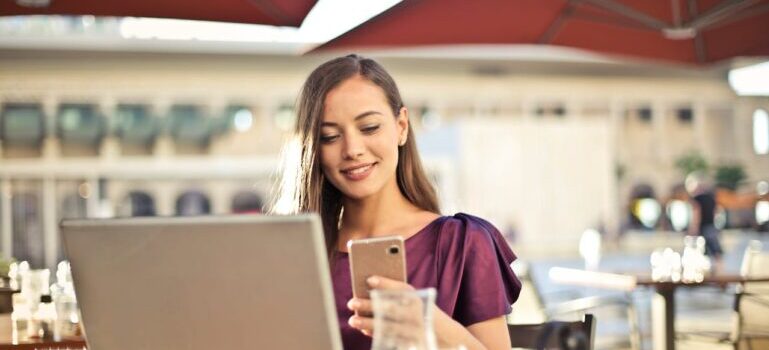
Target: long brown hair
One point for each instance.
(304, 188)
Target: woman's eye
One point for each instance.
(370, 129)
(328, 138)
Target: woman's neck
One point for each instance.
(373, 216)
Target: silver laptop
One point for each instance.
(230, 282)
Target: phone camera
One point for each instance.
(394, 250)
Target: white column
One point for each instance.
(1, 140)
(220, 196)
(263, 120)
(164, 145)
(662, 159)
(700, 121)
(165, 194)
(6, 218)
(528, 105)
(93, 205)
(743, 128)
(110, 147)
(213, 110)
(51, 148)
(659, 121)
(614, 201)
(575, 110)
(50, 225)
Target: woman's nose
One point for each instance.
(353, 147)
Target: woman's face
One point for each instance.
(359, 138)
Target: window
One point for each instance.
(647, 211)
(284, 117)
(247, 202)
(239, 118)
(137, 203)
(429, 118)
(552, 109)
(188, 125)
(645, 114)
(642, 114)
(685, 115)
(762, 212)
(761, 132)
(22, 125)
(79, 124)
(644, 209)
(192, 203)
(679, 212)
(134, 125)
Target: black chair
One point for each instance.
(576, 335)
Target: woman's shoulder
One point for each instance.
(464, 232)
(468, 239)
(462, 225)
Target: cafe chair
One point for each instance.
(575, 335)
(571, 303)
(750, 320)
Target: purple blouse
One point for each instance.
(463, 257)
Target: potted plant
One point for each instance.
(730, 176)
(691, 162)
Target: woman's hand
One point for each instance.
(489, 334)
(363, 307)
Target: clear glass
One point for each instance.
(666, 265)
(35, 283)
(403, 319)
(658, 270)
(67, 324)
(695, 264)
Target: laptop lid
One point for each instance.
(217, 282)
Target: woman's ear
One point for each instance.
(403, 125)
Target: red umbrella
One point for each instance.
(689, 31)
(272, 12)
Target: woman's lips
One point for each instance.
(359, 173)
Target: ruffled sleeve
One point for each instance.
(475, 280)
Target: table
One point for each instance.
(663, 302)
(6, 339)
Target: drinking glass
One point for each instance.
(403, 319)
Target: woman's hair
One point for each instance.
(303, 187)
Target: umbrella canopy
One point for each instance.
(687, 31)
(271, 12)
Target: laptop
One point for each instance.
(217, 282)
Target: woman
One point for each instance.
(360, 170)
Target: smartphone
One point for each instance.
(380, 256)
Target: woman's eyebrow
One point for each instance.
(359, 116)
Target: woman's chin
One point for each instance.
(358, 196)
(358, 192)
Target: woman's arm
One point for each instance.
(489, 334)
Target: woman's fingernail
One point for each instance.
(353, 304)
(373, 281)
(353, 321)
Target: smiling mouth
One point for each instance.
(359, 172)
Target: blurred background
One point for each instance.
(580, 130)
